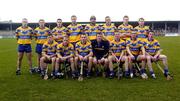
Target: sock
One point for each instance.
(142, 71)
(151, 72)
(126, 73)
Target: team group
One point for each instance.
(92, 49)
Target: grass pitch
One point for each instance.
(28, 87)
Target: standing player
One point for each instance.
(59, 31)
(48, 56)
(117, 48)
(41, 33)
(100, 49)
(65, 54)
(125, 28)
(92, 29)
(24, 35)
(74, 30)
(153, 54)
(108, 29)
(84, 53)
(136, 53)
(142, 30)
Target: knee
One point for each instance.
(106, 61)
(148, 58)
(90, 59)
(57, 60)
(42, 59)
(53, 60)
(76, 59)
(71, 60)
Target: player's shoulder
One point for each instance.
(59, 45)
(137, 27)
(46, 28)
(71, 45)
(146, 27)
(78, 43)
(37, 28)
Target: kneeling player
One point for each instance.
(65, 53)
(136, 54)
(84, 53)
(49, 56)
(153, 54)
(117, 48)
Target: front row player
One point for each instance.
(136, 53)
(48, 56)
(84, 53)
(117, 53)
(100, 48)
(65, 54)
(153, 54)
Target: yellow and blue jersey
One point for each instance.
(74, 32)
(117, 47)
(49, 49)
(59, 31)
(125, 29)
(108, 31)
(134, 46)
(142, 32)
(65, 50)
(151, 47)
(83, 49)
(92, 31)
(24, 35)
(41, 35)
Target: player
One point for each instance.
(100, 48)
(41, 33)
(59, 31)
(74, 30)
(153, 54)
(125, 28)
(48, 56)
(117, 53)
(136, 53)
(24, 35)
(92, 29)
(142, 30)
(84, 53)
(65, 53)
(108, 29)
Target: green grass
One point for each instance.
(28, 87)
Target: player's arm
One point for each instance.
(58, 52)
(17, 34)
(128, 51)
(35, 34)
(71, 53)
(44, 51)
(32, 34)
(90, 51)
(158, 50)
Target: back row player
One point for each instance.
(25, 34)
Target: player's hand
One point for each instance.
(81, 58)
(117, 60)
(63, 58)
(154, 58)
(132, 57)
(49, 57)
(85, 58)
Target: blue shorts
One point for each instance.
(24, 48)
(39, 48)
